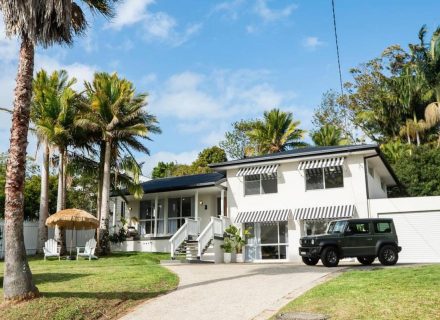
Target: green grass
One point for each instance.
(97, 289)
(381, 293)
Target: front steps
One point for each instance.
(188, 250)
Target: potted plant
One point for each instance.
(240, 242)
(228, 247)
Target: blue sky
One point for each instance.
(207, 63)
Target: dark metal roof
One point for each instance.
(183, 182)
(296, 153)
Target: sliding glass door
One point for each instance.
(268, 241)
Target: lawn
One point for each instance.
(378, 293)
(97, 289)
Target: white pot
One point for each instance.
(239, 257)
(227, 257)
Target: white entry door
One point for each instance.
(419, 235)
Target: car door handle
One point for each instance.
(369, 239)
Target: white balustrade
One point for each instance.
(216, 227)
(189, 228)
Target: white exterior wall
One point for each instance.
(292, 194)
(157, 245)
(375, 186)
(410, 204)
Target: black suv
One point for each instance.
(364, 239)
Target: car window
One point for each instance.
(382, 227)
(358, 227)
(336, 227)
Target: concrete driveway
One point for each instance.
(231, 291)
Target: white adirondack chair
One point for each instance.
(88, 251)
(51, 249)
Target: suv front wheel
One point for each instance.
(388, 255)
(329, 257)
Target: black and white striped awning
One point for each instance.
(264, 216)
(268, 169)
(321, 163)
(330, 212)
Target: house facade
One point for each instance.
(278, 198)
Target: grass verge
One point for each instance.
(96, 289)
(377, 293)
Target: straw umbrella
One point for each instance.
(72, 219)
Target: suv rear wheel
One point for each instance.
(329, 257)
(388, 255)
(366, 261)
(310, 261)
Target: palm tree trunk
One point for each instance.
(100, 176)
(44, 199)
(103, 223)
(17, 280)
(59, 233)
(64, 191)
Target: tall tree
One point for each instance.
(277, 132)
(37, 22)
(329, 135)
(117, 113)
(237, 144)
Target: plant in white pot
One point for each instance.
(240, 242)
(228, 247)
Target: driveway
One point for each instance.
(231, 291)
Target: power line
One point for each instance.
(337, 47)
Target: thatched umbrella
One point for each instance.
(72, 219)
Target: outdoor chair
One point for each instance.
(50, 249)
(88, 251)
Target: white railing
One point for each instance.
(215, 227)
(189, 228)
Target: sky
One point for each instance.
(206, 63)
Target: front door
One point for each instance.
(358, 239)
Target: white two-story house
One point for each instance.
(279, 198)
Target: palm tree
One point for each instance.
(276, 132)
(53, 111)
(329, 135)
(35, 23)
(115, 112)
(429, 64)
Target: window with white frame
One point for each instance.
(260, 184)
(268, 240)
(324, 178)
(147, 219)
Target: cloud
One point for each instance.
(229, 8)
(157, 25)
(182, 158)
(203, 105)
(269, 15)
(312, 43)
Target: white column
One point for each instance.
(156, 213)
(114, 212)
(165, 215)
(196, 209)
(222, 203)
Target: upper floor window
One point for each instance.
(324, 178)
(260, 184)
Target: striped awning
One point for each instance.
(331, 212)
(264, 216)
(268, 169)
(321, 163)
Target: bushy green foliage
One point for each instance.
(200, 165)
(420, 172)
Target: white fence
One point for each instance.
(80, 237)
(30, 237)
